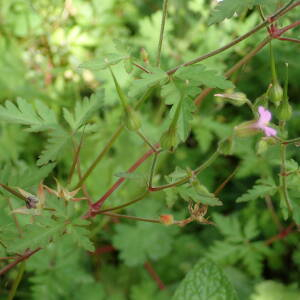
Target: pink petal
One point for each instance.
(264, 115)
(269, 131)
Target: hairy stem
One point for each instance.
(270, 20)
(162, 29)
(187, 178)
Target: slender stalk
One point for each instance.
(76, 158)
(268, 21)
(271, 208)
(14, 192)
(162, 29)
(141, 135)
(131, 217)
(187, 178)
(296, 140)
(152, 169)
(237, 66)
(148, 266)
(97, 205)
(16, 282)
(283, 177)
(100, 156)
(223, 184)
(18, 260)
(125, 204)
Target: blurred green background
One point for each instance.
(42, 45)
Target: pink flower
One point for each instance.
(264, 118)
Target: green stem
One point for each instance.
(270, 20)
(162, 28)
(237, 66)
(296, 140)
(125, 204)
(284, 177)
(273, 65)
(146, 140)
(131, 217)
(152, 169)
(100, 156)
(181, 181)
(16, 282)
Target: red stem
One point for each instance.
(281, 235)
(103, 249)
(154, 275)
(18, 260)
(98, 204)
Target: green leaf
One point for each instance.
(205, 281)
(40, 118)
(142, 242)
(198, 195)
(103, 62)
(58, 140)
(80, 237)
(261, 189)
(199, 75)
(139, 86)
(229, 226)
(271, 290)
(227, 8)
(84, 110)
(37, 236)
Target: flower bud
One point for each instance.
(237, 99)
(166, 219)
(276, 93)
(226, 146)
(246, 129)
(262, 146)
(284, 111)
(168, 140)
(132, 119)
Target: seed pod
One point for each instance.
(276, 93)
(168, 140)
(132, 119)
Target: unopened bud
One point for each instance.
(261, 147)
(284, 111)
(276, 93)
(237, 99)
(246, 129)
(168, 140)
(166, 219)
(132, 119)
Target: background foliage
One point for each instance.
(58, 89)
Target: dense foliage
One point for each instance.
(135, 166)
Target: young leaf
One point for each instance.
(205, 281)
(227, 8)
(80, 236)
(40, 119)
(37, 236)
(103, 62)
(261, 189)
(58, 139)
(144, 241)
(199, 75)
(157, 76)
(84, 110)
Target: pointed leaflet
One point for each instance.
(148, 80)
(227, 8)
(200, 75)
(84, 110)
(58, 140)
(261, 189)
(104, 61)
(205, 281)
(39, 118)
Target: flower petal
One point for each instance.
(264, 115)
(269, 131)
